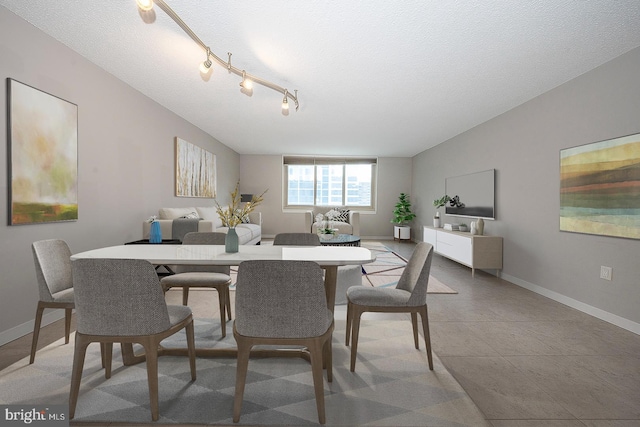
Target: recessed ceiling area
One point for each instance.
(385, 78)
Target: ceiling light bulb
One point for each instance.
(246, 83)
(145, 5)
(205, 66)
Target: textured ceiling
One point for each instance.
(375, 77)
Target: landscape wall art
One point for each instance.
(42, 156)
(600, 188)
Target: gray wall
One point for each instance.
(258, 173)
(523, 146)
(125, 157)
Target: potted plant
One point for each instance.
(402, 215)
(438, 203)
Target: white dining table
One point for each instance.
(328, 257)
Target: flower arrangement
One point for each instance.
(234, 213)
(324, 226)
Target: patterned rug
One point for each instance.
(392, 385)
(386, 270)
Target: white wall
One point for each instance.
(523, 145)
(258, 173)
(125, 158)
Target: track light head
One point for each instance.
(145, 5)
(246, 83)
(205, 66)
(285, 101)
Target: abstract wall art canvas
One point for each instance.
(195, 171)
(600, 188)
(42, 156)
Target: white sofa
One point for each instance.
(351, 226)
(248, 234)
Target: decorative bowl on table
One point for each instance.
(327, 233)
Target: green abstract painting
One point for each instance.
(43, 156)
(600, 188)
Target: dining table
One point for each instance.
(327, 257)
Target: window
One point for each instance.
(329, 181)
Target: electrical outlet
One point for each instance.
(605, 272)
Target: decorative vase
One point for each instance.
(155, 234)
(474, 230)
(436, 222)
(231, 241)
(480, 226)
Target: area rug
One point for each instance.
(392, 385)
(386, 270)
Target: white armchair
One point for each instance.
(350, 226)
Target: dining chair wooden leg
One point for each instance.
(228, 299)
(151, 353)
(355, 331)
(79, 352)
(328, 359)
(185, 295)
(315, 352)
(107, 356)
(191, 346)
(242, 365)
(67, 324)
(36, 332)
(414, 323)
(222, 305)
(427, 335)
(349, 323)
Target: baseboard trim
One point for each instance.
(578, 305)
(27, 327)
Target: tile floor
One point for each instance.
(524, 359)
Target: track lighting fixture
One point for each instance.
(205, 67)
(246, 83)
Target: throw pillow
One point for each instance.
(246, 219)
(343, 215)
(191, 215)
(332, 215)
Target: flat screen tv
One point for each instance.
(472, 195)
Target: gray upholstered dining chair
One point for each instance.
(121, 301)
(409, 296)
(296, 239)
(203, 276)
(282, 303)
(55, 284)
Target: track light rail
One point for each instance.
(146, 5)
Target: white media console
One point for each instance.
(474, 251)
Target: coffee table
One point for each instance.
(342, 240)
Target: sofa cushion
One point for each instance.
(207, 213)
(254, 229)
(174, 213)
